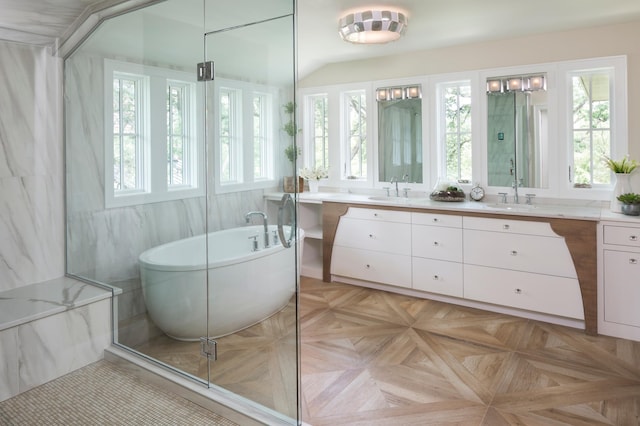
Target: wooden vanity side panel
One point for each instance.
(579, 235)
(331, 213)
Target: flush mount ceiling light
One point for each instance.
(373, 26)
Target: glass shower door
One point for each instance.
(252, 276)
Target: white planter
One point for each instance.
(622, 186)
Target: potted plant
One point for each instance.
(630, 203)
(291, 152)
(313, 176)
(622, 170)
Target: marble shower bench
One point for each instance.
(49, 329)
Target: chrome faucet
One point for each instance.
(395, 180)
(247, 218)
(514, 185)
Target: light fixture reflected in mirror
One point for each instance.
(372, 26)
(494, 86)
(382, 94)
(520, 83)
(396, 93)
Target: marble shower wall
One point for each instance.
(31, 168)
(104, 244)
(501, 115)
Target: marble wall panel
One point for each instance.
(59, 344)
(8, 363)
(31, 190)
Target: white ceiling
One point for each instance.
(432, 23)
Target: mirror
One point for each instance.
(399, 133)
(517, 131)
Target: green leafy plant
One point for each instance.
(292, 152)
(625, 165)
(629, 198)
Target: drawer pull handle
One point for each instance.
(370, 235)
(518, 291)
(375, 215)
(505, 227)
(435, 219)
(367, 266)
(633, 261)
(436, 278)
(514, 252)
(633, 238)
(436, 244)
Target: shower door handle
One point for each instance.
(286, 204)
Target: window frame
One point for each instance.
(618, 113)
(154, 116)
(244, 158)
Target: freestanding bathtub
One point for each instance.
(245, 286)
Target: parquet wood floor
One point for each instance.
(370, 357)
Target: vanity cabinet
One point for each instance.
(620, 280)
(537, 267)
(374, 245)
(520, 264)
(436, 248)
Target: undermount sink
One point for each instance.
(389, 199)
(515, 207)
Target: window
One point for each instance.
(179, 140)
(229, 137)
(152, 152)
(355, 112)
(245, 135)
(591, 131)
(262, 146)
(455, 122)
(319, 106)
(128, 134)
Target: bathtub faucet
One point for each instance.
(247, 218)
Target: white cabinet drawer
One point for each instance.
(622, 287)
(437, 243)
(373, 266)
(381, 215)
(623, 236)
(437, 276)
(388, 237)
(509, 226)
(543, 255)
(533, 292)
(436, 220)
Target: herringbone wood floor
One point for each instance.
(375, 358)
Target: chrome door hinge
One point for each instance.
(205, 71)
(209, 348)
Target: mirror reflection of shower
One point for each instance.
(517, 147)
(399, 133)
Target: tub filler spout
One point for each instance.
(247, 218)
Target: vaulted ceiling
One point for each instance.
(432, 23)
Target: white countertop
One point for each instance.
(582, 210)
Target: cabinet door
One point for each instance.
(543, 255)
(437, 276)
(622, 287)
(372, 266)
(523, 290)
(434, 242)
(388, 237)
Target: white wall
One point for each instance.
(611, 40)
(31, 166)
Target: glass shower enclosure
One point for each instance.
(174, 134)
